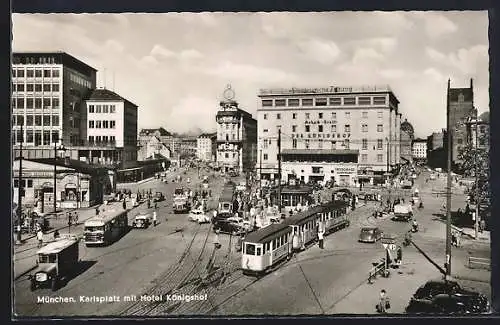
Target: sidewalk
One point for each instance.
(403, 283)
(25, 255)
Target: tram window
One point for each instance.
(263, 249)
(258, 251)
(268, 246)
(250, 249)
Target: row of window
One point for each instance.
(35, 73)
(321, 115)
(80, 81)
(226, 154)
(102, 124)
(333, 101)
(102, 108)
(27, 183)
(36, 137)
(364, 157)
(333, 128)
(29, 87)
(36, 120)
(37, 103)
(377, 144)
(102, 139)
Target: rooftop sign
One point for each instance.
(324, 90)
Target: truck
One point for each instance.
(402, 212)
(181, 205)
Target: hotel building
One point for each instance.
(419, 149)
(236, 136)
(345, 134)
(48, 96)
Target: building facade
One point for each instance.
(48, 101)
(206, 147)
(153, 149)
(236, 136)
(110, 130)
(407, 136)
(478, 131)
(343, 126)
(461, 105)
(77, 184)
(189, 146)
(163, 135)
(419, 149)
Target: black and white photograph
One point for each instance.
(250, 164)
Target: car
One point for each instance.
(142, 221)
(450, 304)
(370, 235)
(245, 224)
(159, 197)
(197, 215)
(228, 227)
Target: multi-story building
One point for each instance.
(154, 148)
(206, 147)
(49, 91)
(236, 136)
(407, 135)
(111, 130)
(419, 149)
(479, 129)
(436, 149)
(163, 135)
(188, 146)
(461, 106)
(345, 134)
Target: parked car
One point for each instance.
(197, 215)
(228, 227)
(142, 221)
(159, 197)
(450, 304)
(245, 224)
(370, 235)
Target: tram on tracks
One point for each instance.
(265, 249)
(227, 198)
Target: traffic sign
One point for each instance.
(385, 245)
(392, 247)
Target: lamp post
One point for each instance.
(476, 221)
(57, 147)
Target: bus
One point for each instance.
(106, 227)
(226, 198)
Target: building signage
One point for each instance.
(321, 122)
(345, 170)
(331, 89)
(323, 135)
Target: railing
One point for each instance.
(379, 268)
(478, 262)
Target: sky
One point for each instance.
(175, 66)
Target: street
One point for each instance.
(127, 267)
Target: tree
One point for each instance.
(477, 159)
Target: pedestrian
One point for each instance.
(384, 303)
(320, 238)
(154, 218)
(70, 219)
(75, 218)
(482, 225)
(124, 204)
(97, 211)
(156, 205)
(39, 237)
(216, 239)
(56, 234)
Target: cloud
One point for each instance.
(393, 73)
(204, 18)
(435, 75)
(467, 61)
(363, 55)
(394, 19)
(250, 73)
(190, 54)
(159, 50)
(199, 111)
(322, 51)
(114, 45)
(436, 24)
(383, 44)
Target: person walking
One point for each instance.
(124, 204)
(155, 220)
(383, 303)
(320, 238)
(39, 237)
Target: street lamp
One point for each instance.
(476, 221)
(58, 147)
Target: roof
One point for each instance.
(263, 233)
(208, 135)
(407, 127)
(77, 165)
(57, 246)
(319, 152)
(67, 59)
(106, 94)
(104, 216)
(466, 92)
(162, 131)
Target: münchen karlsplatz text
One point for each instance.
(112, 299)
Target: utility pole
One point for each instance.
(476, 221)
(449, 129)
(20, 189)
(279, 170)
(55, 176)
(260, 173)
